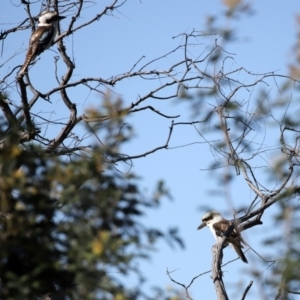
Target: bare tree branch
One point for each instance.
(247, 290)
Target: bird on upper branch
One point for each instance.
(42, 38)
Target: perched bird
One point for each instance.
(218, 226)
(42, 38)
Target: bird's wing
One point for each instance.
(221, 227)
(234, 237)
(41, 39)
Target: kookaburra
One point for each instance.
(42, 38)
(218, 226)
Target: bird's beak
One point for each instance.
(201, 226)
(61, 17)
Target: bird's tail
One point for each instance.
(24, 68)
(240, 253)
(28, 60)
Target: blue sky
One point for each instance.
(146, 28)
